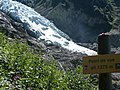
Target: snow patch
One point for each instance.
(39, 27)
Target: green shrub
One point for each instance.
(22, 69)
(78, 81)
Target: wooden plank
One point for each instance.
(107, 63)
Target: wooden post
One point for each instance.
(105, 80)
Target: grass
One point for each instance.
(22, 69)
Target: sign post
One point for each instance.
(103, 64)
(105, 80)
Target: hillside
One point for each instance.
(86, 18)
(14, 29)
(24, 68)
(83, 22)
(81, 19)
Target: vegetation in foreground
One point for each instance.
(22, 69)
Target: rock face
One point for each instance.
(76, 18)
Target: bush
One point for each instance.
(78, 81)
(22, 69)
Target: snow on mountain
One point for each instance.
(39, 27)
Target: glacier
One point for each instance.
(39, 27)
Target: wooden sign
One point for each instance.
(107, 63)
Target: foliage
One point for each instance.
(78, 81)
(22, 69)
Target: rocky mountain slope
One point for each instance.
(66, 18)
(39, 27)
(65, 58)
(79, 19)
